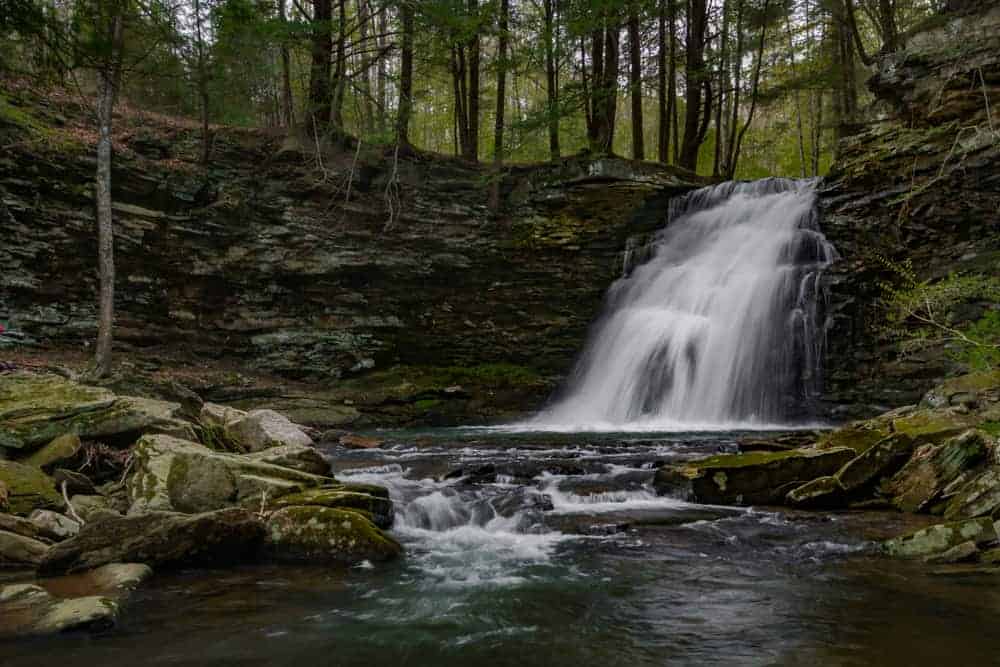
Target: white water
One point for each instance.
(718, 329)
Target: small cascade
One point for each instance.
(717, 323)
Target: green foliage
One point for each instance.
(921, 313)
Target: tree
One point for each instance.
(697, 86)
(405, 76)
(202, 77)
(635, 81)
(552, 110)
(320, 91)
(502, 39)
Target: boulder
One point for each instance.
(76, 483)
(18, 550)
(940, 538)
(326, 534)
(29, 610)
(880, 460)
(219, 416)
(932, 468)
(61, 448)
(53, 525)
(28, 487)
(36, 409)
(21, 526)
(297, 457)
(372, 500)
(962, 390)
(91, 506)
(4, 496)
(176, 475)
(751, 478)
(263, 429)
(960, 552)
(353, 441)
(159, 539)
(980, 496)
(825, 492)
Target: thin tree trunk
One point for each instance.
(695, 76)
(320, 95)
(551, 83)
(367, 104)
(405, 76)
(287, 108)
(202, 82)
(852, 22)
(797, 97)
(381, 40)
(109, 77)
(753, 93)
(340, 72)
(672, 80)
(722, 84)
(635, 82)
(502, 39)
(473, 91)
(663, 118)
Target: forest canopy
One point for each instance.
(732, 88)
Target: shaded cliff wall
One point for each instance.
(262, 260)
(922, 181)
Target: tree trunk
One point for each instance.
(202, 83)
(502, 39)
(797, 97)
(551, 82)
(472, 149)
(723, 85)
(604, 83)
(340, 71)
(663, 118)
(695, 77)
(367, 104)
(381, 74)
(728, 168)
(320, 95)
(109, 77)
(405, 76)
(635, 82)
(753, 94)
(287, 108)
(672, 79)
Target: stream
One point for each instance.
(552, 549)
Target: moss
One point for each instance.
(323, 533)
(747, 459)
(427, 403)
(859, 438)
(29, 488)
(932, 425)
(993, 428)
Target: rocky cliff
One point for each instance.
(919, 182)
(374, 285)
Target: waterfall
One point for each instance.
(719, 322)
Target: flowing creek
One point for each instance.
(551, 549)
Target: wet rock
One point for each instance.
(962, 390)
(327, 534)
(220, 416)
(4, 495)
(744, 479)
(60, 449)
(980, 496)
(263, 429)
(28, 610)
(352, 441)
(37, 409)
(880, 460)
(171, 474)
(297, 457)
(374, 501)
(20, 550)
(956, 554)
(53, 525)
(90, 507)
(940, 538)
(932, 468)
(76, 483)
(28, 487)
(21, 526)
(159, 539)
(825, 492)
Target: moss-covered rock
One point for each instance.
(941, 537)
(159, 539)
(751, 478)
(326, 534)
(37, 409)
(881, 459)
(377, 505)
(18, 550)
(64, 447)
(822, 492)
(980, 496)
(932, 468)
(28, 487)
(859, 436)
(962, 390)
(169, 474)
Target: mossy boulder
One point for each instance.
(19, 550)
(374, 501)
(262, 429)
(327, 534)
(932, 468)
(940, 538)
(37, 409)
(859, 436)
(822, 492)
(159, 539)
(64, 447)
(30, 611)
(963, 390)
(881, 459)
(934, 425)
(980, 496)
(28, 488)
(750, 478)
(169, 474)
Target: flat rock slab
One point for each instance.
(748, 479)
(326, 534)
(940, 538)
(159, 539)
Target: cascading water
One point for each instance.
(719, 326)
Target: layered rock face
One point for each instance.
(323, 268)
(921, 182)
